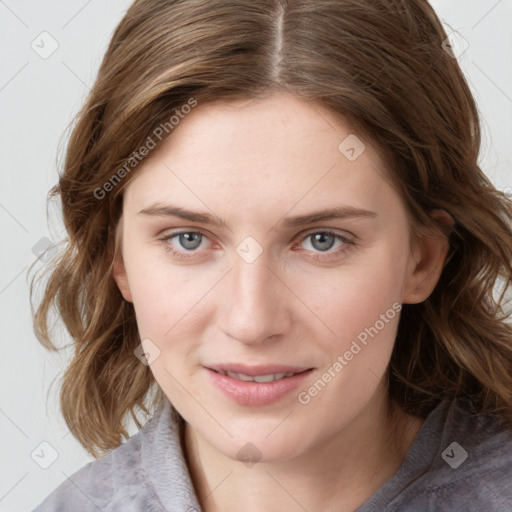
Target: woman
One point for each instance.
(281, 247)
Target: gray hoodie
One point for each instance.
(457, 462)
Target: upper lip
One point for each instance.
(263, 369)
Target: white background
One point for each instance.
(38, 98)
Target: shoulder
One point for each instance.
(474, 466)
(94, 486)
(471, 468)
(460, 460)
(105, 484)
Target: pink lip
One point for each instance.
(257, 393)
(262, 369)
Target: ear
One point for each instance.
(121, 278)
(429, 260)
(118, 269)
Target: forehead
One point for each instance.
(272, 153)
(258, 130)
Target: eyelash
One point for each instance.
(347, 243)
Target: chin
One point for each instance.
(254, 442)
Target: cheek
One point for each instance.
(362, 305)
(167, 297)
(353, 297)
(171, 299)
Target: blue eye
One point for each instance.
(190, 240)
(324, 241)
(182, 245)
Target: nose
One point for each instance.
(256, 305)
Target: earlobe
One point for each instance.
(121, 278)
(429, 263)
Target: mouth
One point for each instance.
(257, 373)
(257, 385)
(269, 377)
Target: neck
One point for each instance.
(340, 473)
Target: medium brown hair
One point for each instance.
(379, 64)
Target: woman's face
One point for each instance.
(289, 273)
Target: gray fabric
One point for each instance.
(148, 473)
(426, 482)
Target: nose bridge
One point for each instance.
(255, 306)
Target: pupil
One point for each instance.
(320, 243)
(190, 240)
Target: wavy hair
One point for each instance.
(382, 65)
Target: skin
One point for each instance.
(253, 164)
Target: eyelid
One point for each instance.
(344, 234)
(349, 237)
(180, 231)
(329, 255)
(348, 243)
(167, 235)
(183, 256)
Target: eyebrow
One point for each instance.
(338, 212)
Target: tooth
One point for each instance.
(270, 377)
(264, 378)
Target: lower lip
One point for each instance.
(257, 393)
